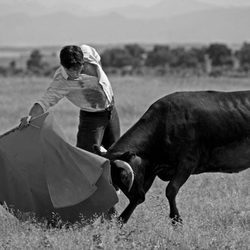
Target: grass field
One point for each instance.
(215, 207)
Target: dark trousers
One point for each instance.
(101, 128)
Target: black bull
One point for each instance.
(182, 134)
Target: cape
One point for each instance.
(41, 172)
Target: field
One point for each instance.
(215, 207)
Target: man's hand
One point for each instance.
(24, 122)
(81, 83)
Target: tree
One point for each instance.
(178, 57)
(136, 52)
(159, 56)
(116, 57)
(244, 56)
(191, 58)
(12, 65)
(34, 63)
(199, 54)
(219, 54)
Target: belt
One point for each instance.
(109, 108)
(111, 105)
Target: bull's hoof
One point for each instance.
(121, 222)
(176, 221)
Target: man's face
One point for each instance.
(74, 72)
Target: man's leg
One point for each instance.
(91, 129)
(112, 131)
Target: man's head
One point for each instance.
(71, 58)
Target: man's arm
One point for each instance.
(35, 110)
(89, 69)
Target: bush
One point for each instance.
(159, 56)
(244, 56)
(34, 63)
(116, 57)
(220, 54)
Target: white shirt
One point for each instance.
(87, 92)
(90, 55)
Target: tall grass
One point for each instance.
(215, 207)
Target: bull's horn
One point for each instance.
(103, 150)
(130, 173)
(100, 150)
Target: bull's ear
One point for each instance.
(100, 150)
(127, 175)
(127, 156)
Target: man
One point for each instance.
(81, 79)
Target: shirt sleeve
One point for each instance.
(52, 95)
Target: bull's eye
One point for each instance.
(124, 178)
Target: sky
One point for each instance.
(106, 4)
(103, 4)
(227, 2)
(98, 5)
(22, 10)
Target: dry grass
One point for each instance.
(215, 207)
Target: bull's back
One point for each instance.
(216, 117)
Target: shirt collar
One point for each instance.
(64, 73)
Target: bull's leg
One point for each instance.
(138, 199)
(171, 192)
(186, 166)
(127, 212)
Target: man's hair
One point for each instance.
(71, 56)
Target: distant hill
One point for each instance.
(164, 22)
(163, 10)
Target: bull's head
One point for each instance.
(121, 172)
